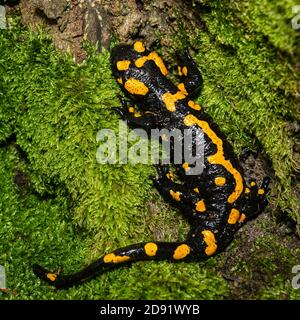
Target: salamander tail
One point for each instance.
(143, 251)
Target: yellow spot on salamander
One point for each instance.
(185, 166)
(141, 61)
(131, 109)
(185, 71)
(120, 80)
(200, 206)
(138, 46)
(233, 216)
(252, 184)
(247, 190)
(175, 195)
(194, 105)
(218, 157)
(170, 176)
(210, 240)
(150, 249)
(179, 71)
(137, 114)
(109, 257)
(190, 120)
(134, 86)
(220, 181)
(181, 252)
(196, 190)
(242, 217)
(123, 65)
(261, 191)
(112, 258)
(181, 87)
(170, 99)
(51, 276)
(154, 57)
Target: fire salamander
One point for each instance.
(216, 202)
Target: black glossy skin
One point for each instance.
(227, 205)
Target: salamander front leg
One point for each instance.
(136, 119)
(190, 76)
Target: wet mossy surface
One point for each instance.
(59, 207)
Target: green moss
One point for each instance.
(276, 260)
(169, 281)
(280, 289)
(60, 109)
(24, 223)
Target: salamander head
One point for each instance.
(123, 55)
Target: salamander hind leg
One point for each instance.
(255, 198)
(179, 194)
